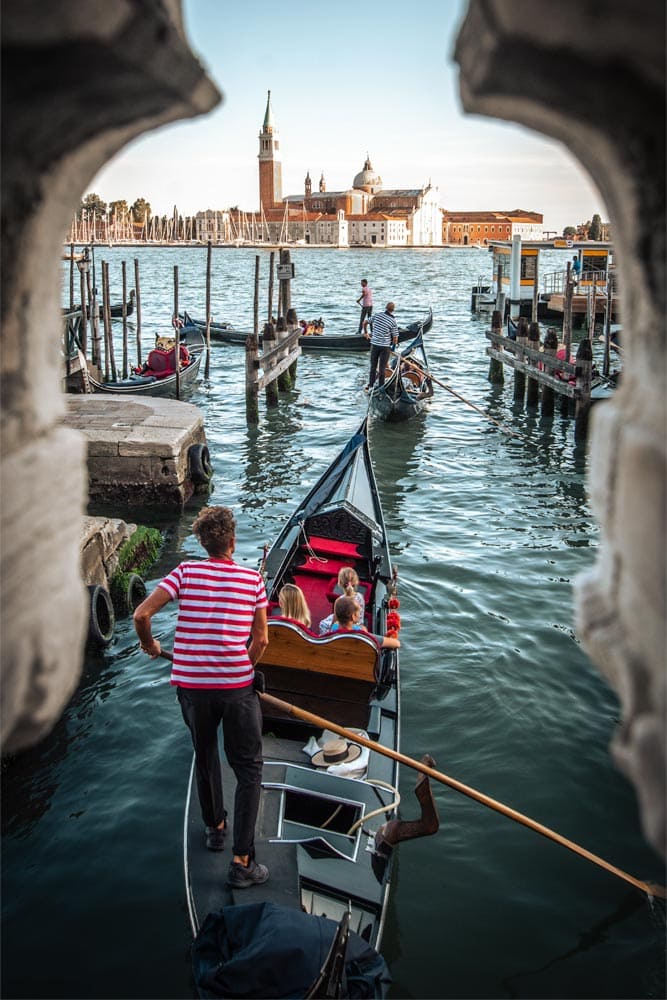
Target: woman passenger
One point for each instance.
(293, 604)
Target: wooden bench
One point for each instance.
(353, 655)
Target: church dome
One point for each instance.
(367, 180)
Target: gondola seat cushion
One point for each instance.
(331, 547)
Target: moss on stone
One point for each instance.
(136, 556)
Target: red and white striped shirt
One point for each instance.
(217, 600)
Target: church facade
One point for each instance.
(363, 215)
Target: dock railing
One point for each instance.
(556, 376)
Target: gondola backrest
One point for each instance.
(353, 654)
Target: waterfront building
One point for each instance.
(479, 228)
(364, 214)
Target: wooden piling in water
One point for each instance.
(252, 360)
(269, 316)
(110, 370)
(292, 321)
(71, 277)
(582, 404)
(268, 341)
(549, 349)
(496, 369)
(519, 376)
(125, 350)
(177, 335)
(532, 385)
(284, 379)
(207, 365)
(536, 290)
(84, 317)
(137, 306)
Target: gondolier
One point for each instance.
(384, 336)
(222, 605)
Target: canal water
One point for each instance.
(488, 532)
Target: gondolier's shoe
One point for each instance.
(241, 877)
(215, 838)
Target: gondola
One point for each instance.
(407, 386)
(115, 309)
(226, 333)
(317, 830)
(158, 376)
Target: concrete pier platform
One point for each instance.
(139, 450)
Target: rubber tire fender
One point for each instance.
(135, 592)
(101, 618)
(199, 464)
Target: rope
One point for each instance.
(312, 555)
(391, 807)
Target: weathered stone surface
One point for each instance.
(101, 538)
(137, 450)
(45, 615)
(132, 63)
(518, 60)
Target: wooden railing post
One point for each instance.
(583, 386)
(550, 348)
(496, 370)
(521, 342)
(532, 385)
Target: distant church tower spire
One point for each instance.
(270, 171)
(323, 185)
(308, 185)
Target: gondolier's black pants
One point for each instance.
(241, 718)
(379, 359)
(366, 313)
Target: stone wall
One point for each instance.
(79, 80)
(592, 75)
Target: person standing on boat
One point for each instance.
(221, 605)
(365, 300)
(383, 337)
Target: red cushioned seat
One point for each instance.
(331, 547)
(322, 566)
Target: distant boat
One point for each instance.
(115, 309)
(158, 375)
(407, 386)
(226, 333)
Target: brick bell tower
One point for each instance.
(270, 172)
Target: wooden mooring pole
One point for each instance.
(137, 306)
(285, 380)
(496, 369)
(207, 365)
(252, 360)
(532, 385)
(567, 330)
(177, 335)
(582, 403)
(125, 351)
(520, 376)
(549, 349)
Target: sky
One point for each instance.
(346, 80)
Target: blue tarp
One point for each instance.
(270, 951)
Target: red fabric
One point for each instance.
(314, 590)
(331, 547)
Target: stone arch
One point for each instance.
(79, 80)
(594, 78)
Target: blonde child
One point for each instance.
(348, 581)
(293, 604)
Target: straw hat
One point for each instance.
(336, 752)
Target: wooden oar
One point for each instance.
(442, 385)
(315, 720)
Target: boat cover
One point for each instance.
(266, 950)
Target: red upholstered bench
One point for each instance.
(331, 547)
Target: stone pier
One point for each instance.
(137, 449)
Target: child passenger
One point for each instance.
(347, 618)
(348, 581)
(293, 604)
